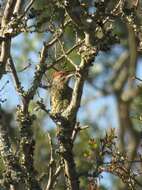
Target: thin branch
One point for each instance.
(58, 34)
(18, 7)
(43, 107)
(25, 68)
(118, 9)
(76, 13)
(77, 129)
(8, 12)
(132, 42)
(77, 45)
(51, 163)
(52, 178)
(67, 57)
(27, 9)
(138, 78)
(15, 76)
(6, 45)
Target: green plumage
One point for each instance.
(61, 93)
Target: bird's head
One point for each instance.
(61, 77)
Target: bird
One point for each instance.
(61, 92)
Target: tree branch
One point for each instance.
(14, 174)
(53, 174)
(6, 45)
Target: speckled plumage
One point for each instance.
(61, 93)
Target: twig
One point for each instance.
(77, 129)
(51, 165)
(25, 68)
(10, 5)
(77, 45)
(27, 9)
(6, 45)
(54, 178)
(15, 76)
(138, 78)
(66, 56)
(43, 107)
(57, 35)
(118, 9)
(21, 70)
(18, 7)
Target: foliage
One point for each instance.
(99, 44)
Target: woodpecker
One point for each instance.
(61, 93)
